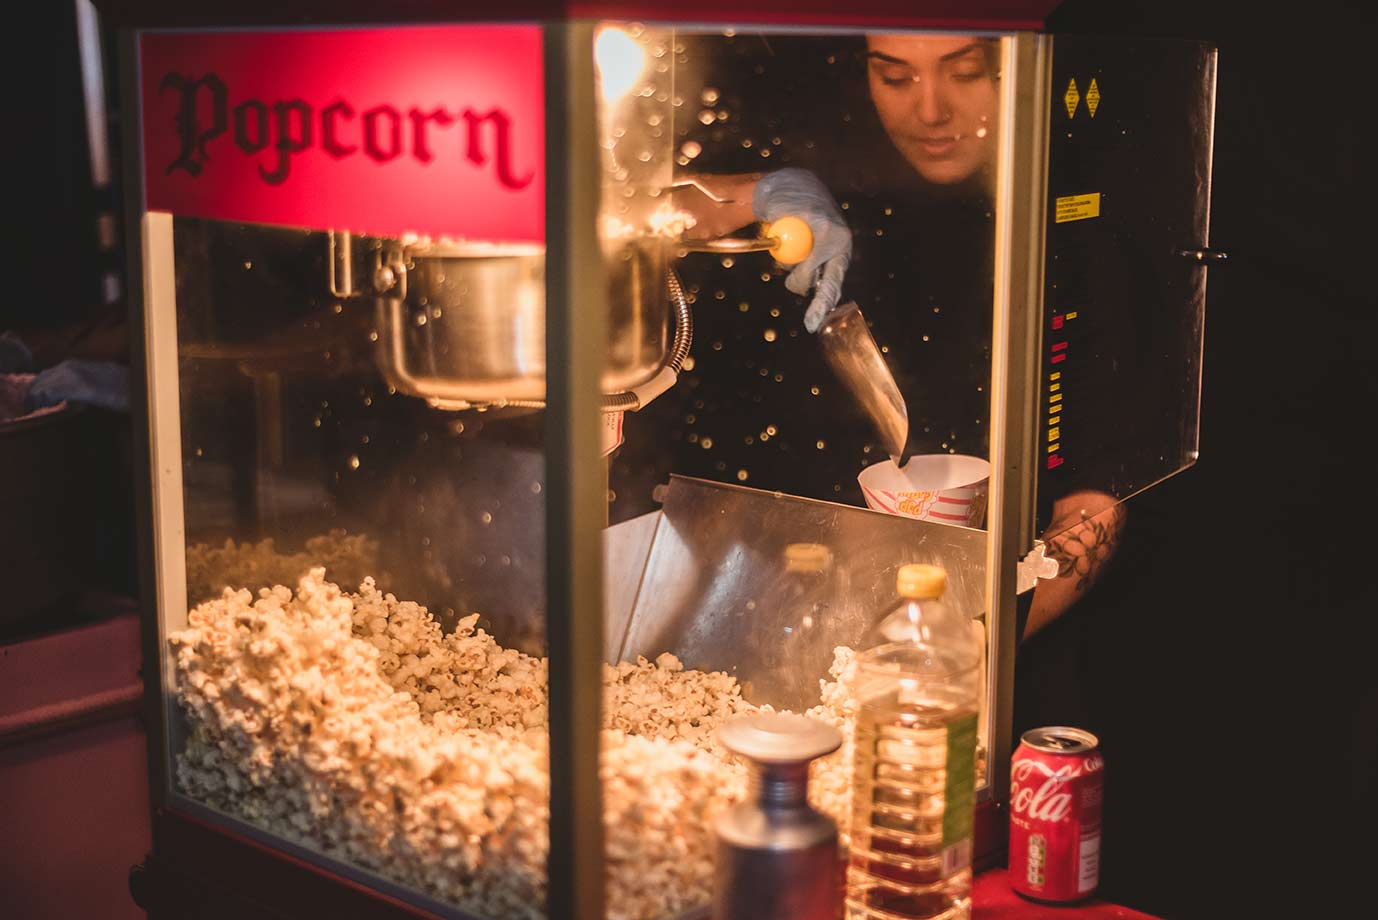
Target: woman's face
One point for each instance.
(937, 98)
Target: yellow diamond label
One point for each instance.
(1092, 98)
(1071, 97)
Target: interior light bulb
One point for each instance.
(620, 62)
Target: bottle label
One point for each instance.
(959, 812)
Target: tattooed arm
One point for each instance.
(1086, 529)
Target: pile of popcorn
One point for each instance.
(352, 724)
(347, 558)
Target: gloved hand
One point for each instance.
(15, 357)
(800, 193)
(96, 383)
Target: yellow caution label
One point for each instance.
(1052, 448)
(1092, 98)
(1054, 420)
(1071, 97)
(1073, 314)
(1053, 400)
(1054, 433)
(1055, 375)
(1076, 207)
(1053, 388)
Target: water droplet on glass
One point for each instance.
(768, 335)
(691, 149)
(248, 265)
(706, 443)
(485, 518)
(765, 151)
(688, 364)
(770, 430)
(722, 114)
(813, 390)
(456, 427)
(719, 295)
(727, 262)
(742, 475)
(707, 117)
(420, 319)
(750, 605)
(644, 156)
(717, 346)
(775, 312)
(373, 335)
(339, 308)
(710, 95)
(353, 462)
(746, 142)
(925, 338)
(743, 307)
(765, 276)
(535, 488)
(820, 444)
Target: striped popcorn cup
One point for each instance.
(945, 488)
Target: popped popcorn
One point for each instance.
(352, 724)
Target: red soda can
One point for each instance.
(1057, 782)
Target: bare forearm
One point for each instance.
(1086, 530)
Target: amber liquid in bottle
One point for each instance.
(901, 867)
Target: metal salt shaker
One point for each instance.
(777, 858)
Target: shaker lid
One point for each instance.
(779, 737)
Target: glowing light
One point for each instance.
(620, 62)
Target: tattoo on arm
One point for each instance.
(1082, 549)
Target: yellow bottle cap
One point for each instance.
(807, 557)
(918, 582)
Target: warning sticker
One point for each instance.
(1092, 98)
(1071, 97)
(1077, 207)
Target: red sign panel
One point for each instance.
(432, 130)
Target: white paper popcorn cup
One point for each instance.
(945, 488)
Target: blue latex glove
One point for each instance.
(15, 357)
(800, 193)
(96, 383)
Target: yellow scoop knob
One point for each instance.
(793, 240)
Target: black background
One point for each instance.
(1227, 659)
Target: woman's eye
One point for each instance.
(894, 76)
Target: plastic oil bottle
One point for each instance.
(913, 797)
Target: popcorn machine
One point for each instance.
(493, 463)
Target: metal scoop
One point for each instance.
(852, 353)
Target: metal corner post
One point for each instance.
(576, 486)
(141, 413)
(1019, 252)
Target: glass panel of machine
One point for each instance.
(361, 668)
(744, 558)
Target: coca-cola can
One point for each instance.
(1057, 782)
